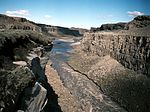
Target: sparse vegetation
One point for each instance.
(13, 35)
(15, 44)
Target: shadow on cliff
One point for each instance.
(129, 89)
(52, 104)
(126, 87)
(40, 77)
(131, 92)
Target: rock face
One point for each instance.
(124, 86)
(57, 30)
(21, 90)
(123, 67)
(38, 70)
(7, 22)
(89, 95)
(81, 30)
(14, 45)
(12, 84)
(138, 22)
(18, 88)
(33, 98)
(109, 27)
(131, 50)
(16, 23)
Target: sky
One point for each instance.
(76, 13)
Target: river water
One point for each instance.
(60, 53)
(88, 94)
(61, 49)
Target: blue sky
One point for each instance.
(76, 13)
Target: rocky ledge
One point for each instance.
(22, 78)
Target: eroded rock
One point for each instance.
(34, 98)
(12, 84)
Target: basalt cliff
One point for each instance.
(117, 58)
(7, 22)
(108, 69)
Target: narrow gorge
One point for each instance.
(46, 68)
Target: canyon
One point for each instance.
(46, 68)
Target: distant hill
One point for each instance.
(7, 22)
(59, 31)
(137, 22)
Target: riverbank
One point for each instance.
(81, 90)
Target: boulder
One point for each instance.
(34, 98)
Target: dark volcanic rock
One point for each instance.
(7, 22)
(14, 45)
(59, 31)
(14, 95)
(34, 98)
(12, 84)
(38, 70)
(81, 30)
(16, 23)
(131, 50)
(123, 69)
(138, 22)
(109, 27)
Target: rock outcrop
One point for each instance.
(7, 22)
(118, 62)
(124, 86)
(88, 93)
(129, 48)
(81, 30)
(59, 31)
(14, 45)
(109, 27)
(12, 84)
(22, 88)
(33, 99)
(16, 23)
(137, 22)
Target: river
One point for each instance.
(88, 93)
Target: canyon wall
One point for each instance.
(18, 23)
(7, 22)
(137, 22)
(130, 49)
(57, 30)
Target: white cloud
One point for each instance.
(18, 13)
(48, 16)
(135, 13)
